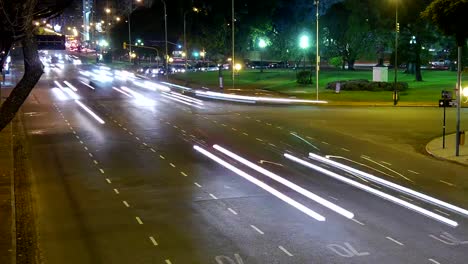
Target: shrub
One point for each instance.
(304, 77)
(365, 85)
(336, 62)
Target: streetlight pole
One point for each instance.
(397, 30)
(232, 37)
(165, 33)
(317, 56)
(185, 40)
(130, 35)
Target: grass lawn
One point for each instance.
(284, 81)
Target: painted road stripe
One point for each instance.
(414, 172)
(285, 251)
(198, 185)
(245, 134)
(153, 241)
(172, 165)
(184, 174)
(101, 170)
(257, 229)
(168, 261)
(448, 183)
(395, 241)
(162, 157)
(442, 212)
(357, 221)
(345, 149)
(96, 162)
(214, 197)
(433, 261)
(125, 203)
(116, 191)
(232, 211)
(108, 180)
(153, 150)
(139, 220)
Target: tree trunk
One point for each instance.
(417, 63)
(32, 74)
(351, 64)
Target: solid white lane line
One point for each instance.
(89, 111)
(287, 183)
(183, 174)
(442, 212)
(391, 184)
(198, 185)
(162, 157)
(356, 221)
(125, 203)
(395, 241)
(172, 165)
(262, 185)
(434, 261)
(285, 251)
(139, 220)
(101, 170)
(374, 191)
(116, 191)
(414, 172)
(232, 211)
(214, 197)
(447, 183)
(108, 180)
(257, 229)
(153, 241)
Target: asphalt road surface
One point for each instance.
(117, 178)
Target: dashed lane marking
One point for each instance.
(108, 180)
(447, 183)
(326, 143)
(442, 212)
(433, 261)
(285, 251)
(414, 172)
(162, 157)
(232, 211)
(96, 162)
(101, 170)
(214, 197)
(386, 163)
(152, 149)
(257, 229)
(395, 241)
(172, 165)
(198, 185)
(126, 203)
(183, 174)
(356, 221)
(116, 191)
(245, 134)
(153, 241)
(139, 220)
(168, 261)
(345, 149)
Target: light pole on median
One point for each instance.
(232, 37)
(397, 30)
(166, 59)
(185, 33)
(130, 31)
(317, 56)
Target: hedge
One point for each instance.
(365, 85)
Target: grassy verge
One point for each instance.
(283, 81)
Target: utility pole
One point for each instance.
(459, 96)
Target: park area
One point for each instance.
(427, 92)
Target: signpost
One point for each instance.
(445, 102)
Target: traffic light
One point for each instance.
(397, 27)
(125, 45)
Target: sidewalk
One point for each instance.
(6, 174)
(448, 153)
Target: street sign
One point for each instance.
(446, 103)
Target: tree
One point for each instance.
(449, 17)
(16, 27)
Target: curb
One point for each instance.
(441, 158)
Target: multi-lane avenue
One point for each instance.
(131, 171)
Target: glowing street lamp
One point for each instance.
(304, 44)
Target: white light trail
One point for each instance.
(72, 94)
(308, 143)
(188, 98)
(90, 112)
(179, 100)
(287, 183)
(152, 86)
(262, 185)
(139, 98)
(255, 98)
(178, 86)
(122, 92)
(59, 94)
(58, 85)
(390, 184)
(374, 191)
(71, 86)
(89, 86)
